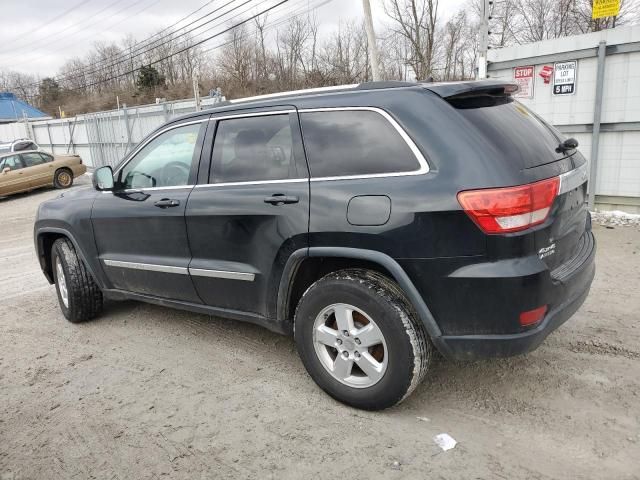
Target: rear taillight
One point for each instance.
(510, 209)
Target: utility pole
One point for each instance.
(371, 38)
(483, 46)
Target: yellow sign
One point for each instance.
(605, 8)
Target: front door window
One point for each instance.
(166, 161)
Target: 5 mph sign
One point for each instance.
(564, 77)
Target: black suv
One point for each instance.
(373, 222)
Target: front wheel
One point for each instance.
(79, 296)
(360, 339)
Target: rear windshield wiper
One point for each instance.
(568, 144)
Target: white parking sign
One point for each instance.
(564, 77)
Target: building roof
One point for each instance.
(13, 109)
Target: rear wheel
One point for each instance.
(63, 178)
(360, 339)
(79, 296)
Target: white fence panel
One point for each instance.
(101, 138)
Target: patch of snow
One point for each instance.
(615, 218)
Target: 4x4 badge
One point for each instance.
(547, 251)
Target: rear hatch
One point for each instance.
(533, 146)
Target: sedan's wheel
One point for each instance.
(63, 178)
(360, 339)
(79, 296)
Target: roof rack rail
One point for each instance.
(294, 92)
(384, 84)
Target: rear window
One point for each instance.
(254, 149)
(510, 128)
(341, 143)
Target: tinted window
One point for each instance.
(13, 162)
(32, 159)
(354, 143)
(254, 149)
(508, 126)
(164, 162)
(46, 157)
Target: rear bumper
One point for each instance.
(569, 292)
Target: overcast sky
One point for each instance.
(38, 36)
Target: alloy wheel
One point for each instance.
(350, 346)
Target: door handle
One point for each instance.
(281, 199)
(167, 202)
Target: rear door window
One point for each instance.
(354, 142)
(32, 159)
(253, 149)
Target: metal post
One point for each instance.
(165, 109)
(371, 39)
(597, 113)
(483, 44)
(50, 141)
(71, 146)
(196, 92)
(127, 126)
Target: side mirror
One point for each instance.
(103, 179)
(6, 170)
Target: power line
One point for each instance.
(92, 24)
(73, 25)
(148, 39)
(138, 49)
(129, 58)
(51, 20)
(266, 10)
(299, 10)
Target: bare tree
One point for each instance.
(416, 21)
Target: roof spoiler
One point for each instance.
(473, 88)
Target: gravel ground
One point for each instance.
(146, 392)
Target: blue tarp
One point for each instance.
(13, 109)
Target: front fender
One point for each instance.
(68, 215)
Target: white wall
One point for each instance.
(619, 153)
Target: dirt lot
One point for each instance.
(148, 392)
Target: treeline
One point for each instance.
(268, 54)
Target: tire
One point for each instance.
(63, 178)
(79, 296)
(368, 298)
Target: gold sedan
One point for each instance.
(24, 171)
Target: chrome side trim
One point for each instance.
(257, 182)
(160, 132)
(201, 272)
(423, 165)
(295, 92)
(147, 266)
(573, 179)
(253, 114)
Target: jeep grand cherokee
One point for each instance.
(374, 222)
